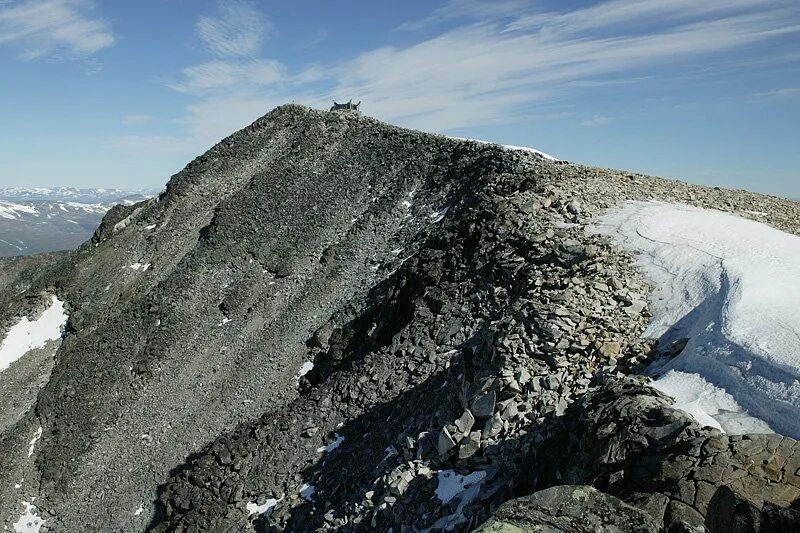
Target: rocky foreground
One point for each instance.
(326, 322)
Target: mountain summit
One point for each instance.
(327, 322)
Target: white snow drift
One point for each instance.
(254, 509)
(451, 483)
(457, 491)
(29, 522)
(26, 335)
(510, 147)
(139, 267)
(34, 440)
(731, 286)
(305, 368)
(328, 448)
(307, 492)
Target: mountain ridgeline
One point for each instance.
(327, 322)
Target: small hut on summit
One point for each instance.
(349, 107)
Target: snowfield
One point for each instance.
(29, 522)
(26, 335)
(732, 287)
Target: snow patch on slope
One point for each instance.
(328, 448)
(511, 147)
(708, 404)
(451, 483)
(26, 335)
(89, 208)
(34, 440)
(732, 287)
(29, 522)
(458, 492)
(305, 368)
(307, 492)
(254, 509)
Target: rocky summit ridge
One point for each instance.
(330, 323)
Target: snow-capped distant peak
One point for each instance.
(39, 219)
(12, 211)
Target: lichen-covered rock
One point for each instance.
(625, 439)
(569, 509)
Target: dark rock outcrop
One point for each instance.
(569, 509)
(626, 440)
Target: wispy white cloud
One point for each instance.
(505, 68)
(237, 31)
(231, 90)
(640, 14)
(46, 28)
(137, 119)
(319, 35)
(204, 123)
(780, 93)
(490, 72)
(468, 10)
(224, 74)
(608, 82)
(597, 120)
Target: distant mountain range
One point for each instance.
(37, 219)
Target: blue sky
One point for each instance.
(124, 94)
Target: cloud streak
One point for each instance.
(491, 72)
(53, 28)
(639, 14)
(137, 119)
(597, 120)
(474, 10)
(780, 93)
(237, 31)
(225, 74)
(505, 68)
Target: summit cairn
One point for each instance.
(348, 107)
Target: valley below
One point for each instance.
(37, 220)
